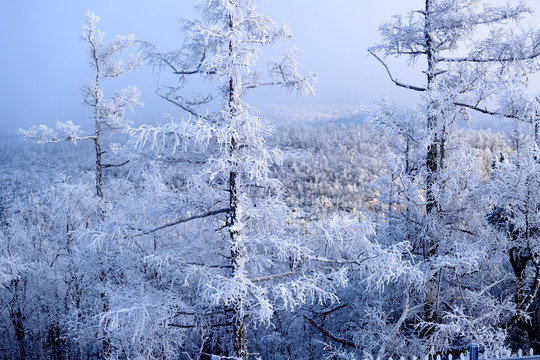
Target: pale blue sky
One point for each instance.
(44, 61)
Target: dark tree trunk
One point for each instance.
(99, 167)
(17, 320)
(434, 164)
(237, 246)
(238, 317)
(435, 152)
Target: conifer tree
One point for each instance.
(465, 72)
(252, 264)
(109, 114)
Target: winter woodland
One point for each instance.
(226, 232)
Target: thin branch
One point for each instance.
(291, 273)
(220, 357)
(329, 311)
(314, 258)
(395, 81)
(197, 69)
(187, 313)
(330, 335)
(54, 141)
(274, 83)
(276, 276)
(193, 72)
(153, 56)
(484, 110)
(198, 326)
(167, 62)
(210, 266)
(341, 261)
(500, 18)
(488, 60)
(181, 105)
(181, 221)
(415, 53)
(105, 166)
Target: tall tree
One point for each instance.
(108, 114)
(468, 52)
(248, 261)
(224, 45)
(463, 72)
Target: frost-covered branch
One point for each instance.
(489, 60)
(395, 81)
(286, 71)
(189, 106)
(105, 166)
(277, 276)
(67, 131)
(104, 56)
(486, 111)
(184, 220)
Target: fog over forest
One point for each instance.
(213, 197)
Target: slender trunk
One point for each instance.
(97, 142)
(537, 132)
(237, 246)
(531, 210)
(237, 260)
(17, 319)
(99, 168)
(20, 334)
(97, 114)
(408, 170)
(434, 164)
(436, 148)
(434, 152)
(107, 350)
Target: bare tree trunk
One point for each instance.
(97, 145)
(97, 114)
(99, 167)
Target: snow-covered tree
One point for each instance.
(463, 72)
(475, 57)
(109, 114)
(233, 188)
